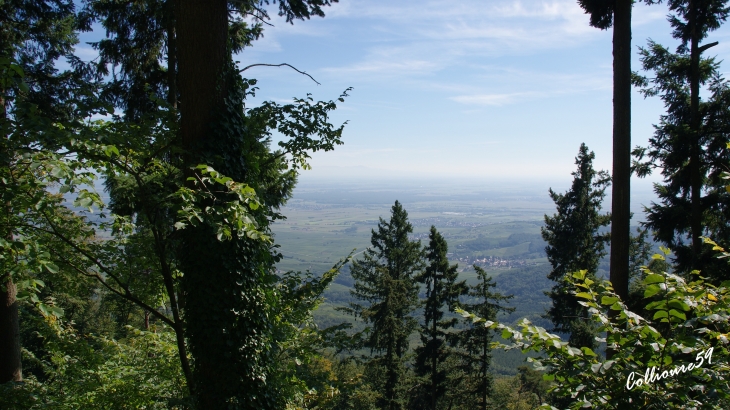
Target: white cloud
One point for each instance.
(491, 99)
(381, 66)
(85, 52)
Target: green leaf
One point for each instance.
(587, 351)
(653, 278)
(608, 300)
(506, 334)
(678, 304)
(678, 314)
(584, 295)
(659, 304)
(651, 290)
(660, 314)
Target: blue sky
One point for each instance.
(496, 89)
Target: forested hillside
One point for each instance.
(156, 252)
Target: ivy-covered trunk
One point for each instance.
(224, 281)
(202, 36)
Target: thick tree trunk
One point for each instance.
(202, 37)
(620, 206)
(202, 54)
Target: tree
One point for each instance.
(689, 144)
(700, 17)
(603, 15)
(225, 293)
(575, 243)
(442, 292)
(385, 280)
(34, 34)
(476, 339)
(650, 368)
(139, 154)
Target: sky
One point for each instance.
(479, 90)
(468, 89)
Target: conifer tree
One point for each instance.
(694, 20)
(476, 339)
(575, 243)
(388, 294)
(690, 143)
(442, 293)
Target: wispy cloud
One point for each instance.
(492, 99)
(386, 66)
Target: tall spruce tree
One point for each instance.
(442, 294)
(694, 20)
(690, 143)
(475, 341)
(385, 282)
(575, 243)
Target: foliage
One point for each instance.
(385, 280)
(95, 372)
(574, 242)
(668, 151)
(303, 371)
(137, 258)
(475, 340)
(442, 293)
(683, 344)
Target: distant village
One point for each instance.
(489, 261)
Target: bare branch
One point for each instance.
(279, 65)
(706, 46)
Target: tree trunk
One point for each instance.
(202, 40)
(484, 374)
(434, 354)
(10, 365)
(694, 153)
(620, 205)
(202, 55)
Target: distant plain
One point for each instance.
(495, 225)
